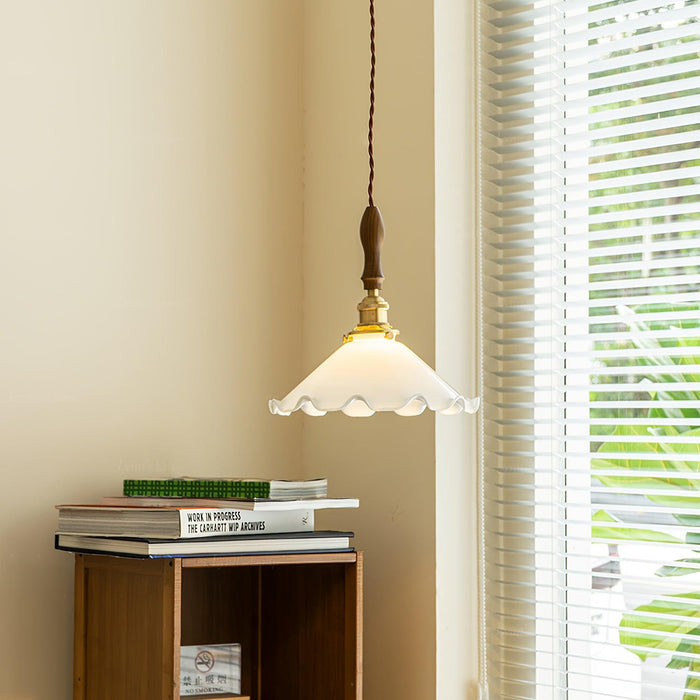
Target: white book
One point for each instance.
(171, 521)
(254, 504)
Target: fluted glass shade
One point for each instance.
(373, 373)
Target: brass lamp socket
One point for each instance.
(373, 317)
(373, 309)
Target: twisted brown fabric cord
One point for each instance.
(370, 148)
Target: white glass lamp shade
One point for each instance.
(373, 373)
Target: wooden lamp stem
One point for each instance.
(372, 236)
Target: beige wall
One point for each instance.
(150, 271)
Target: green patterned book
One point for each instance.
(221, 487)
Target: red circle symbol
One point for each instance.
(204, 661)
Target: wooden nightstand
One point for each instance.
(298, 618)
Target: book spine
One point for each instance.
(209, 522)
(196, 488)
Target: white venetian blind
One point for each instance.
(590, 227)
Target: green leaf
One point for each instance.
(640, 336)
(676, 569)
(692, 681)
(669, 455)
(680, 661)
(622, 533)
(682, 494)
(662, 626)
(670, 625)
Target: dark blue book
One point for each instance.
(288, 543)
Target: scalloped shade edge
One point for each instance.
(369, 374)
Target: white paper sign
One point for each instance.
(209, 669)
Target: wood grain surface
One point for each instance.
(298, 619)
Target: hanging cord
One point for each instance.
(370, 135)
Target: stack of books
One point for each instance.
(203, 517)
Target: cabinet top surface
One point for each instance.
(219, 561)
(268, 559)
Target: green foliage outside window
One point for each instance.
(670, 476)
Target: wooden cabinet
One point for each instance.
(298, 618)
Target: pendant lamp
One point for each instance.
(372, 370)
